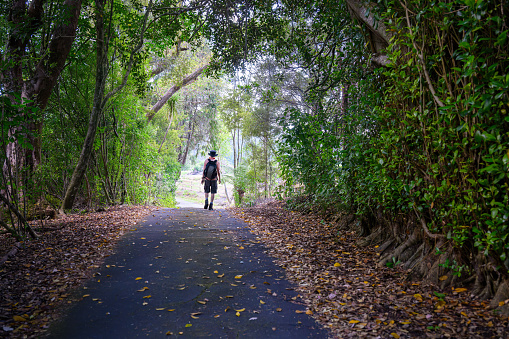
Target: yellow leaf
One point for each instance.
(237, 314)
(460, 289)
(262, 302)
(194, 317)
(238, 276)
(169, 333)
(216, 272)
(502, 303)
(189, 325)
(221, 275)
(86, 295)
(354, 321)
(279, 309)
(160, 309)
(202, 302)
(234, 285)
(171, 310)
(241, 310)
(464, 314)
(142, 238)
(395, 335)
(405, 322)
(147, 296)
(337, 264)
(228, 296)
(18, 318)
(444, 277)
(217, 316)
(299, 311)
(418, 297)
(139, 278)
(241, 247)
(309, 312)
(143, 289)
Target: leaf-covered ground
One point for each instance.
(338, 281)
(346, 292)
(38, 280)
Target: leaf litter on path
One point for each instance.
(35, 284)
(344, 290)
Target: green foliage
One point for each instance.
(447, 152)
(424, 138)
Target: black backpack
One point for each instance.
(210, 171)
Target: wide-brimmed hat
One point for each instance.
(213, 154)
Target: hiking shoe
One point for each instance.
(210, 207)
(207, 204)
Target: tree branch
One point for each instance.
(173, 89)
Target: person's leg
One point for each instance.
(207, 190)
(213, 191)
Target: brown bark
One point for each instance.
(25, 22)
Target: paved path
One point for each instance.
(189, 273)
(182, 203)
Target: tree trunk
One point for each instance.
(101, 76)
(100, 99)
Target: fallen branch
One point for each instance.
(11, 253)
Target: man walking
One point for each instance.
(211, 178)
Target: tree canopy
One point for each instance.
(393, 113)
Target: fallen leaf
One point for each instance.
(18, 318)
(354, 321)
(160, 309)
(238, 276)
(241, 310)
(169, 333)
(309, 312)
(444, 277)
(262, 302)
(460, 289)
(202, 302)
(189, 325)
(237, 314)
(337, 264)
(139, 278)
(395, 335)
(279, 309)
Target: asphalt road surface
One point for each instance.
(188, 273)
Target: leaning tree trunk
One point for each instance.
(101, 77)
(100, 99)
